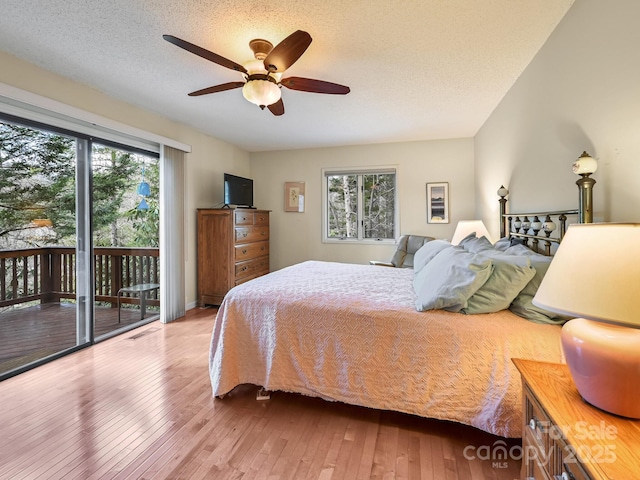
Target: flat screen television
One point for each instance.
(238, 191)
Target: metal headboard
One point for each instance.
(530, 228)
(535, 227)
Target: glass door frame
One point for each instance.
(85, 271)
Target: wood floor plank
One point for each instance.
(385, 455)
(139, 406)
(312, 440)
(349, 459)
(369, 449)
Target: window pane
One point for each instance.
(342, 206)
(379, 205)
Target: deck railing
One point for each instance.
(47, 274)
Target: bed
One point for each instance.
(353, 333)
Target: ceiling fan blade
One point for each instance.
(217, 88)
(314, 86)
(206, 54)
(276, 108)
(287, 51)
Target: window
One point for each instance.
(360, 205)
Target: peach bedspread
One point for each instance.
(351, 333)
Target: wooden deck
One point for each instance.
(31, 333)
(139, 406)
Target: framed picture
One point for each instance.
(438, 202)
(294, 197)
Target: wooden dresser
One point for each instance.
(233, 247)
(565, 438)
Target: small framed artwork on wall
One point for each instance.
(294, 197)
(438, 202)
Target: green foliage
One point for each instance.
(37, 175)
(146, 223)
(37, 181)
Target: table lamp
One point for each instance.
(595, 275)
(466, 227)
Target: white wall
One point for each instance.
(296, 237)
(205, 165)
(581, 92)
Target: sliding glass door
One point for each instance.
(78, 236)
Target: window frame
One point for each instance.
(360, 171)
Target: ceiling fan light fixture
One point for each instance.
(261, 92)
(263, 75)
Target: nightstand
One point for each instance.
(565, 438)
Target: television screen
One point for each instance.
(238, 191)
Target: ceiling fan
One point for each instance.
(263, 76)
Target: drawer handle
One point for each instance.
(262, 249)
(243, 269)
(263, 233)
(243, 234)
(244, 250)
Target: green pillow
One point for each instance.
(447, 281)
(476, 244)
(522, 305)
(510, 275)
(427, 252)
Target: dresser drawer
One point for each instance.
(247, 217)
(261, 218)
(252, 268)
(251, 250)
(243, 217)
(251, 234)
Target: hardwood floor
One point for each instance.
(139, 406)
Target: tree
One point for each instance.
(37, 175)
(377, 209)
(114, 174)
(146, 223)
(343, 204)
(379, 200)
(37, 184)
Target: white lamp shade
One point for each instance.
(467, 227)
(595, 274)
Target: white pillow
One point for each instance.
(502, 244)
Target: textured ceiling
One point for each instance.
(417, 69)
